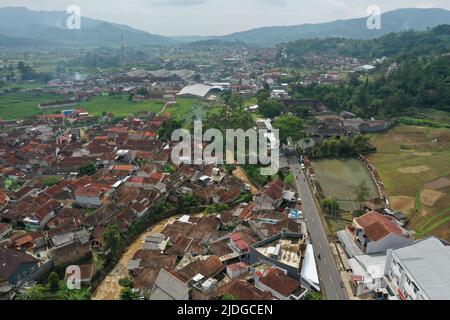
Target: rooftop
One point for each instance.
(428, 261)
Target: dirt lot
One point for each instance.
(430, 197)
(402, 203)
(240, 174)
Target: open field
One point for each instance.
(119, 105)
(187, 110)
(25, 105)
(414, 164)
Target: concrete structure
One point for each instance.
(420, 271)
(200, 91)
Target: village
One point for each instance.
(83, 187)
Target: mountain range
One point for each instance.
(23, 27)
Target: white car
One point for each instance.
(303, 166)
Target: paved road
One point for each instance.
(328, 273)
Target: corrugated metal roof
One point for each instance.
(428, 261)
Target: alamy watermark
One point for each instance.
(374, 19)
(73, 280)
(263, 147)
(74, 20)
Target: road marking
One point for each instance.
(325, 261)
(331, 278)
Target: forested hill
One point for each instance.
(420, 80)
(436, 40)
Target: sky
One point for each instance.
(220, 17)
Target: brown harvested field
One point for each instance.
(402, 203)
(438, 184)
(430, 197)
(410, 159)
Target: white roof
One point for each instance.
(428, 262)
(198, 90)
(184, 219)
(309, 270)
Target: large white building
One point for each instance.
(200, 91)
(420, 271)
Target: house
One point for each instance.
(4, 199)
(280, 285)
(168, 287)
(376, 233)
(271, 197)
(368, 273)
(155, 241)
(16, 266)
(207, 267)
(237, 270)
(38, 219)
(92, 195)
(243, 290)
(419, 271)
(86, 272)
(238, 243)
(5, 230)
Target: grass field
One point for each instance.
(25, 105)
(187, 110)
(410, 159)
(119, 105)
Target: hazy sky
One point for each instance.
(217, 17)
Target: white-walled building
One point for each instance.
(420, 271)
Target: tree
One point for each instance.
(53, 282)
(330, 206)
(290, 126)
(126, 282)
(230, 297)
(168, 127)
(362, 192)
(35, 293)
(270, 108)
(113, 240)
(128, 294)
(88, 170)
(262, 96)
(26, 72)
(50, 181)
(313, 296)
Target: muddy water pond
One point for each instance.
(339, 178)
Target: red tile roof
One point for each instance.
(377, 226)
(278, 281)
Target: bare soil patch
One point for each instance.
(430, 197)
(438, 184)
(414, 170)
(423, 154)
(402, 203)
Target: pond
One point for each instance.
(339, 178)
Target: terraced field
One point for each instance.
(414, 164)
